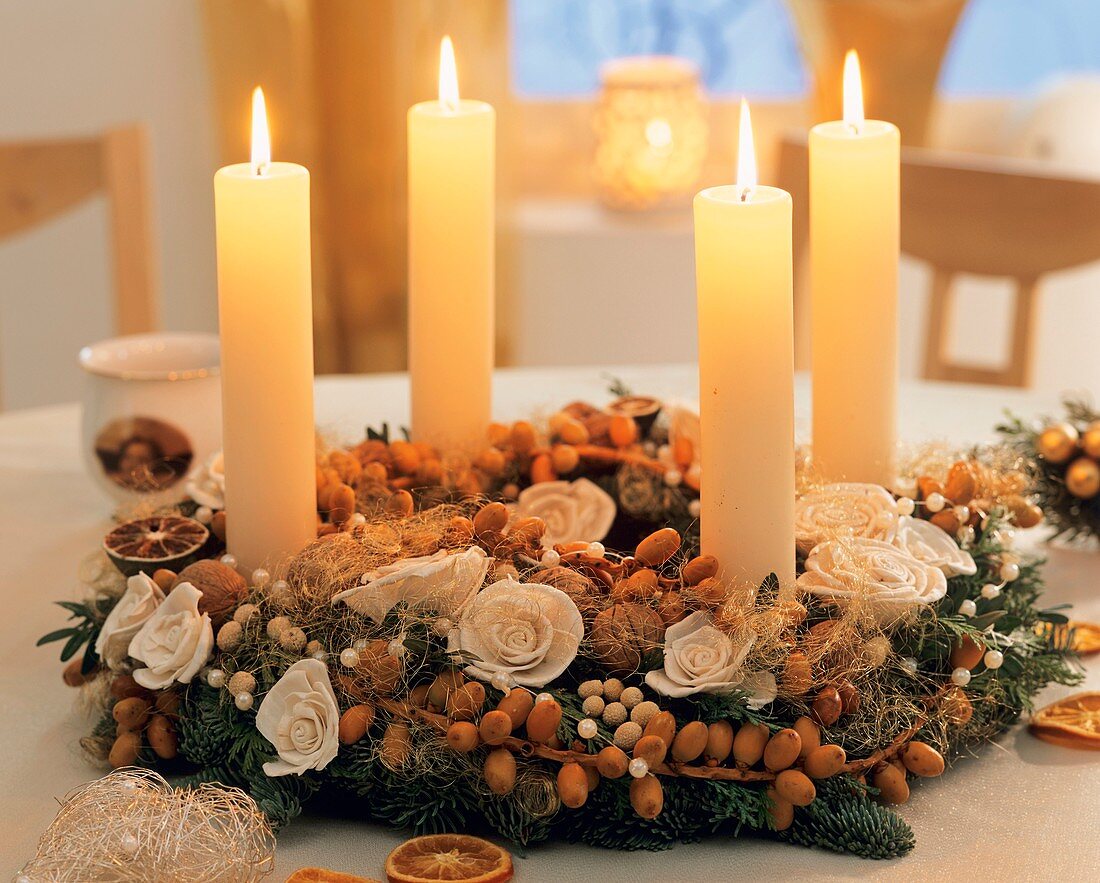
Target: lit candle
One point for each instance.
(746, 374)
(854, 171)
(451, 231)
(266, 316)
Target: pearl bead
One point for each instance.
(359, 644)
(550, 558)
(204, 515)
(962, 513)
(229, 560)
(968, 608)
(587, 728)
(649, 448)
(501, 680)
(129, 843)
(935, 502)
(358, 518)
(966, 535)
(695, 508)
(960, 677)
(1010, 571)
(664, 452)
(215, 678)
(638, 767)
(543, 697)
(994, 659)
(990, 591)
(596, 550)
(906, 506)
(280, 585)
(396, 648)
(320, 655)
(244, 701)
(260, 577)
(349, 657)
(673, 478)
(909, 663)
(442, 626)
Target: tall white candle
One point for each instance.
(266, 315)
(746, 374)
(451, 274)
(854, 206)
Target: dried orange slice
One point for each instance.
(458, 857)
(1073, 722)
(1086, 635)
(324, 875)
(149, 543)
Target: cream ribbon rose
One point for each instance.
(527, 630)
(574, 511)
(931, 544)
(442, 583)
(207, 486)
(175, 642)
(887, 579)
(845, 509)
(300, 717)
(140, 601)
(700, 658)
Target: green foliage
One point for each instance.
(90, 615)
(844, 819)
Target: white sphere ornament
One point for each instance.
(994, 659)
(502, 681)
(638, 767)
(1010, 571)
(960, 677)
(359, 644)
(229, 560)
(695, 508)
(587, 728)
(673, 477)
(349, 657)
(906, 506)
(204, 515)
(319, 655)
(260, 578)
(550, 558)
(129, 843)
(962, 513)
(396, 648)
(596, 550)
(967, 535)
(990, 591)
(244, 701)
(215, 678)
(935, 502)
(543, 697)
(968, 608)
(909, 663)
(358, 518)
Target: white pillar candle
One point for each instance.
(746, 374)
(266, 316)
(451, 232)
(854, 172)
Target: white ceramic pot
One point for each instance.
(152, 412)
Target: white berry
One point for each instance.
(244, 701)
(215, 678)
(990, 591)
(935, 502)
(260, 578)
(960, 677)
(349, 657)
(587, 728)
(906, 506)
(638, 767)
(1010, 571)
(550, 558)
(909, 663)
(994, 659)
(968, 608)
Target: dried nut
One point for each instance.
(957, 707)
(218, 525)
(658, 547)
(890, 781)
(1024, 513)
(922, 759)
(698, 569)
(796, 787)
(443, 686)
(928, 486)
(849, 697)
(683, 452)
(961, 484)
(709, 591)
(72, 675)
(612, 762)
(543, 721)
(824, 761)
(622, 430)
(947, 521)
(527, 531)
(463, 736)
(782, 750)
(396, 745)
(797, 677)
(827, 706)
(418, 696)
(719, 741)
(132, 713)
(647, 797)
(400, 504)
(465, 702)
(967, 653)
(572, 431)
(564, 458)
(490, 520)
(162, 737)
(523, 437)
(651, 749)
(164, 578)
(809, 733)
(355, 722)
(406, 456)
(490, 461)
(500, 771)
(780, 809)
(341, 504)
(749, 743)
(517, 705)
(495, 727)
(572, 785)
(542, 469)
(690, 742)
(125, 749)
(168, 702)
(661, 725)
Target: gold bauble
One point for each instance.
(1083, 478)
(1057, 443)
(1090, 441)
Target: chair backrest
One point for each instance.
(42, 179)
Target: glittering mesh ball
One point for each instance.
(614, 713)
(277, 625)
(643, 713)
(590, 688)
(242, 682)
(631, 696)
(229, 636)
(245, 612)
(612, 689)
(593, 706)
(627, 735)
(293, 639)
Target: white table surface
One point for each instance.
(1022, 810)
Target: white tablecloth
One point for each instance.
(1023, 810)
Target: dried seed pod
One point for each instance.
(922, 759)
(443, 686)
(647, 797)
(542, 469)
(400, 504)
(572, 785)
(1024, 513)
(719, 741)
(490, 520)
(495, 727)
(463, 736)
(850, 700)
(670, 607)
(698, 569)
(164, 578)
(341, 504)
(796, 787)
(500, 771)
(780, 809)
(490, 461)
(162, 737)
(218, 525)
(658, 547)
(72, 675)
(957, 707)
(527, 531)
(418, 696)
(710, 591)
(355, 722)
(782, 749)
(572, 431)
(749, 743)
(622, 430)
(612, 762)
(131, 713)
(517, 705)
(523, 437)
(824, 761)
(961, 484)
(690, 742)
(809, 733)
(465, 702)
(168, 702)
(651, 749)
(827, 706)
(543, 721)
(797, 678)
(890, 781)
(124, 751)
(396, 745)
(946, 520)
(967, 653)
(663, 726)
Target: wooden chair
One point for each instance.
(978, 215)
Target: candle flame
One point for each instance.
(448, 76)
(746, 155)
(261, 138)
(853, 92)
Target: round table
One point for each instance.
(1023, 809)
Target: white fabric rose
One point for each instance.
(528, 630)
(889, 580)
(845, 509)
(300, 717)
(137, 604)
(442, 583)
(574, 511)
(701, 658)
(933, 545)
(175, 642)
(207, 486)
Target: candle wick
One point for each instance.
(259, 169)
(746, 193)
(855, 128)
